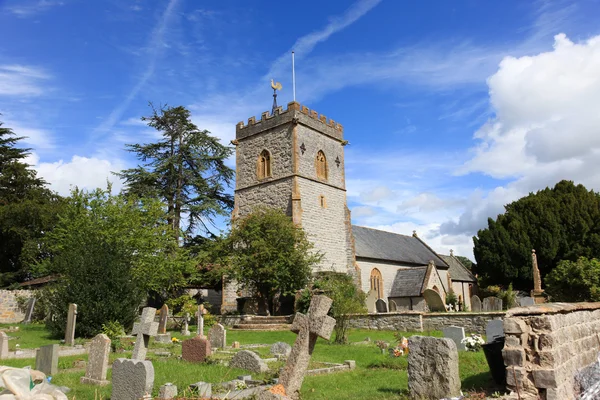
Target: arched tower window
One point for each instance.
(263, 167)
(321, 165)
(377, 282)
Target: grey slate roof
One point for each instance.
(388, 246)
(458, 272)
(408, 282)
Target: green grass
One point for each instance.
(377, 376)
(29, 336)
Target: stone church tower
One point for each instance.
(294, 160)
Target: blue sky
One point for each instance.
(452, 108)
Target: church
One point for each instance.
(293, 160)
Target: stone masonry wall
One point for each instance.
(472, 322)
(9, 309)
(406, 321)
(547, 344)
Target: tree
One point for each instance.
(470, 265)
(109, 251)
(562, 223)
(265, 252)
(573, 281)
(28, 211)
(185, 169)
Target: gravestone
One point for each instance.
(476, 304)
(526, 301)
(432, 368)
(371, 301)
(162, 335)
(434, 301)
(71, 320)
(249, 361)
(492, 304)
(494, 329)
(309, 328)
(46, 359)
(195, 349)
(3, 345)
(167, 391)
(393, 306)
(200, 316)
(95, 372)
(217, 336)
(457, 334)
(29, 310)
(381, 306)
(144, 330)
(185, 331)
(131, 379)
(281, 348)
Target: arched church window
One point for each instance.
(377, 282)
(321, 165)
(264, 165)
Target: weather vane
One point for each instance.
(276, 86)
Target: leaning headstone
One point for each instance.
(162, 335)
(29, 310)
(131, 379)
(393, 306)
(434, 300)
(217, 336)
(494, 330)
(381, 306)
(3, 345)
(185, 331)
(144, 330)
(432, 368)
(457, 334)
(167, 391)
(71, 320)
(95, 372)
(476, 304)
(526, 301)
(492, 304)
(309, 328)
(46, 359)
(281, 348)
(195, 349)
(371, 301)
(249, 361)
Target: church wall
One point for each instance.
(388, 274)
(435, 280)
(462, 289)
(272, 194)
(409, 303)
(444, 277)
(313, 142)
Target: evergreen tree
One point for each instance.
(562, 223)
(185, 169)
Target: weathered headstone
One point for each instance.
(131, 379)
(162, 336)
(46, 359)
(29, 310)
(492, 304)
(526, 301)
(371, 301)
(309, 328)
(185, 331)
(71, 320)
(200, 317)
(195, 349)
(217, 336)
(476, 304)
(3, 345)
(393, 306)
(434, 300)
(144, 330)
(202, 389)
(249, 361)
(494, 329)
(167, 391)
(95, 372)
(432, 368)
(381, 306)
(281, 348)
(457, 334)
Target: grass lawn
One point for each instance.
(377, 376)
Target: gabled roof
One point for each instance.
(458, 272)
(408, 282)
(388, 246)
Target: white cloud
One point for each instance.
(29, 8)
(37, 138)
(21, 80)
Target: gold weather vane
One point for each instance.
(276, 86)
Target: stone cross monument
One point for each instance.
(537, 292)
(200, 316)
(70, 330)
(144, 329)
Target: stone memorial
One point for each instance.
(202, 389)
(131, 379)
(249, 361)
(393, 306)
(29, 310)
(144, 330)
(494, 329)
(434, 300)
(281, 349)
(162, 335)
(71, 320)
(526, 301)
(381, 306)
(476, 304)
(185, 330)
(3, 345)
(167, 391)
(97, 366)
(492, 304)
(432, 368)
(217, 336)
(371, 301)
(195, 349)
(200, 317)
(457, 334)
(46, 359)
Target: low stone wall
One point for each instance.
(9, 309)
(229, 319)
(472, 322)
(547, 344)
(404, 321)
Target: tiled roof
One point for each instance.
(408, 282)
(458, 272)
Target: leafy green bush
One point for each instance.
(114, 330)
(573, 281)
(451, 298)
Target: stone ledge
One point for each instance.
(465, 314)
(553, 308)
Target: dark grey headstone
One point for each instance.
(494, 329)
(46, 359)
(457, 334)
(131, 379)
(476, 304)
(381, 306)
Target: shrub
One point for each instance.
(451, 298)
(573, 281)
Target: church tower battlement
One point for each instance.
(294, 160)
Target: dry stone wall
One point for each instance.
(472, 322)
(9, 308)
(547, 344)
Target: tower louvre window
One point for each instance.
(321, 165)
(264, 165)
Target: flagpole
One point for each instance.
(293, 77)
